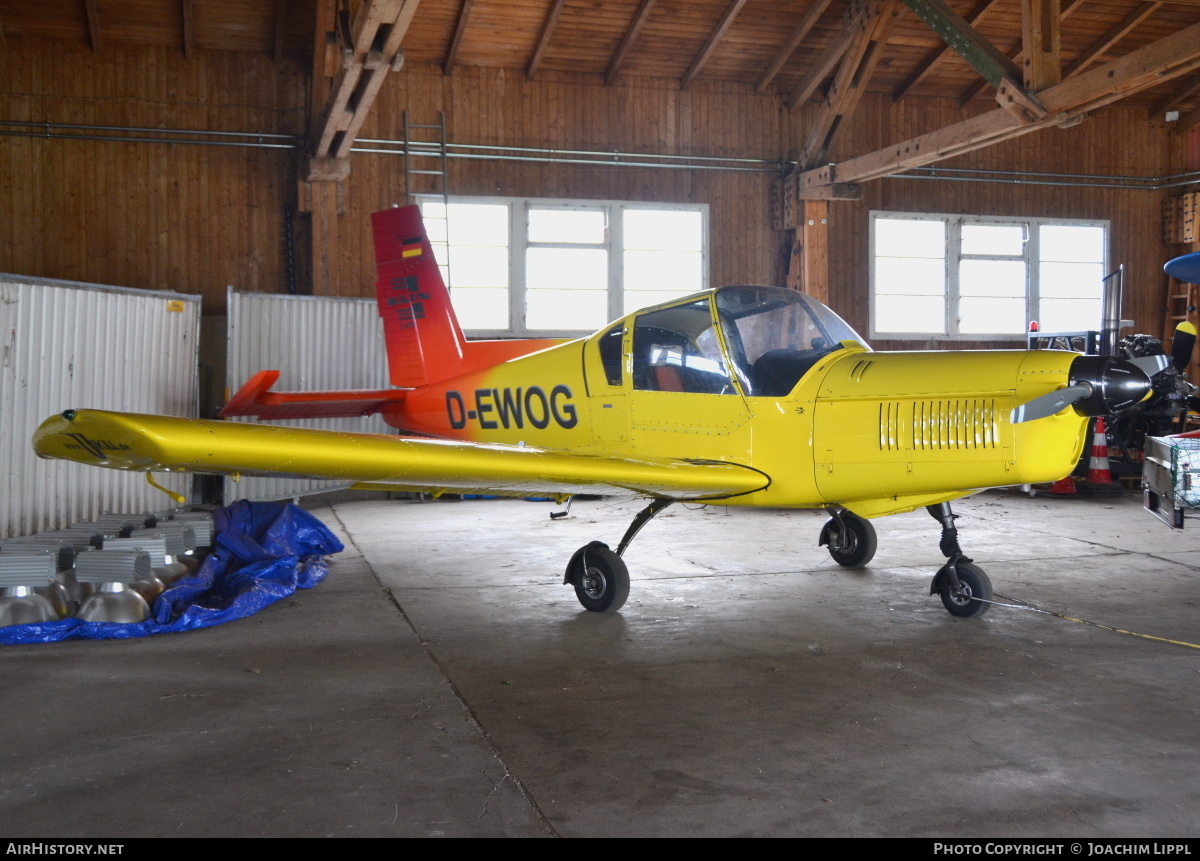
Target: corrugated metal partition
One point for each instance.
(317, 343)
(68, 345)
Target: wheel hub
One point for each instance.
(594, 583)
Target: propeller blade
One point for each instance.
(1182, 344)
(1049, 404)
(1150, 365)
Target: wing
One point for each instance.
(148, 443)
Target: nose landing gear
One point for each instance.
(962, 585)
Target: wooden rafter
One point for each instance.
(714, 39)
(547, 31)
(1015, 55)
(1169, 57)
(1190, 120)
(187, 25)
(460, 30)
(373, 50)
(970, 44)
(814, 13)
(93, 19)
(280, 23)
(1041, 39)
(931, 59)
(821, 68)
(635, 27)
(1118, 32)
(872, 26)
(1190, 86)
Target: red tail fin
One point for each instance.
(424, 341)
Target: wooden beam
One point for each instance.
(1189, 120)
(979, 53)
(1189, 87)
(1015, 55)
(280, 23)
(639, 21)
(1169, 57)
(872, 26)
(460, 30)
(932, 58)
(188, 24)
(1041, 39)
(374, 49)
(547, 31)
(793, 42)
(711, 44)
(93, 19)
(1118, 32)
(808, 266)
(821, 69)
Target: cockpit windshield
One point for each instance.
(775, 335)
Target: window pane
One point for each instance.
(1069, 315)
(567, 288)
(1071, 280)
(663, 230)
(1072, 244)
(567, 225)
(678, 271)
(898, 276)
(896, 237)
(478, 224)
(988, 316)
(993, 239)
(481, 307)
(925, 314)
(477, 267)
(992, 278)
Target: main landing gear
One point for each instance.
(960, 583)
(599, 576)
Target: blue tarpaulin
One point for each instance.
(262, 552)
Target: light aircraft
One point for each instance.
(741, 395)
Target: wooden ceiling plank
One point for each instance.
(1169, 57)
(3, 45)
(460, 30)
(1015, 55)
(871, 30)
(1118, 32)
(821, 69)
(1041, 39)
(814, 13)
(277, 38)
(713, 40)
(187, 22)
(544, 39)
(635, 27)
(1189, 87)
(93, 19)
(932, 58)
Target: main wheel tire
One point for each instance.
(603, 581)
(973, 583)
(858, 544)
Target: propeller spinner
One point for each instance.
(1098, 386)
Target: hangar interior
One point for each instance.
(442, 681)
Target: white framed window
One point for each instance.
(964, 277)
(534, 267)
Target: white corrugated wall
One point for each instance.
(68, 345)
(317, 343)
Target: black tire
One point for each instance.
(603, 580)
(859, 543)
(973, 584)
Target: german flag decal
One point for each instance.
(411, 247)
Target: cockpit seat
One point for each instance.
(776, 372)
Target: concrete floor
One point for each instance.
(442, 681)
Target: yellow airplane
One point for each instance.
(741, 395)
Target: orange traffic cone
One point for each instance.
(1065, 486)
(1099, 478)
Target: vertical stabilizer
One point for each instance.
(424, 341)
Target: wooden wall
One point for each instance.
(196, 218)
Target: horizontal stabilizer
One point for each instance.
(255, 398)
(159, 443)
